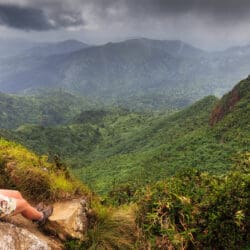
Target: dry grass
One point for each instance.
(112, 229)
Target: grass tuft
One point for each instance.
(112, 229)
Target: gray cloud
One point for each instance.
(205, 23)
(69, 12)
(31, 17)
(23, 18)
(218, 9)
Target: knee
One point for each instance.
(17, 194)
(21, 205)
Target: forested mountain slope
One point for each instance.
(45, 108)
(121, 146)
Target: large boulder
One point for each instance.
(17, 238)
(69, 220)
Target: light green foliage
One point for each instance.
(34, 176)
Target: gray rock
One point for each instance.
(16, 238)
(69, 220)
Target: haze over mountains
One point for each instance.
(126, 72)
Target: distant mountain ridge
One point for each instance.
(132, 69)
(56, 48)
(14, 47)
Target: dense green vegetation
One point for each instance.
(171, 143)
(44, 108)
(106, 148)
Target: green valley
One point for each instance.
(115, 146)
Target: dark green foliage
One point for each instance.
(121, 194)
(158, 146)
(71, 141)
(73, 245)
(90, 116)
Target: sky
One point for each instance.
(207, 24)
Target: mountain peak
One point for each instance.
(174, 48)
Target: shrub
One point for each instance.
(196, 210)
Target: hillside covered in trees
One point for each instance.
(120, 146)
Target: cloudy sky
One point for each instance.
(209, 24)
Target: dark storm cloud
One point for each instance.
(33, 18)
(23, 18)
(49, 14)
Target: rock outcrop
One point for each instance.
(225, 105)
(229, 101)
(13, 238)
(69, 220)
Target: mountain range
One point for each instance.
(139, 72)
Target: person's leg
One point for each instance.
(29, 212)
(11, 193)
(23, 207)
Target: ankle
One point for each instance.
(41, 217)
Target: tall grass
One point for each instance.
(112, 229)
